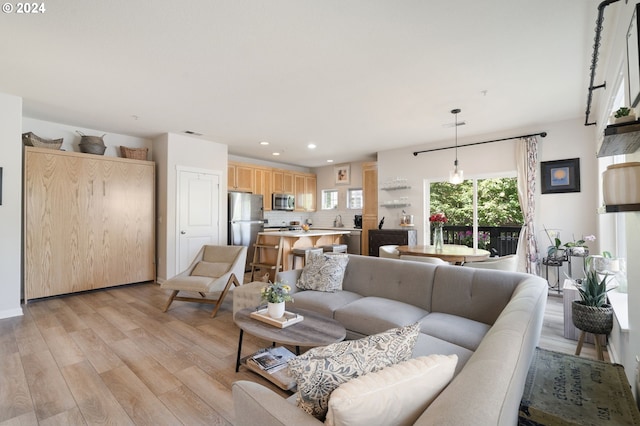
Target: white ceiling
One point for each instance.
(352, 76)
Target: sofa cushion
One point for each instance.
(324, 303)
(429, 345)
(323, 272)
(397, 394)
(457, 330)
(321, 370)
(210, 269)
(370, 315)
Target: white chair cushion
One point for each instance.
(396, 395)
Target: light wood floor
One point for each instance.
(112, 357)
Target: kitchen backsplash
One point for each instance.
(320, 218)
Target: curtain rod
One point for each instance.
(541, 134)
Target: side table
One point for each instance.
(554, 263)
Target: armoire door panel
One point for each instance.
(89, 222)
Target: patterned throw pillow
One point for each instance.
(323, 272)
(319, 371)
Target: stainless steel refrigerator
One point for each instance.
(245, 221)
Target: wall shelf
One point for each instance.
(619, 208)
(395, 205)
(620, 139)
(395, 188)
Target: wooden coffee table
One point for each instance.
(314, 330)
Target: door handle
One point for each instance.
(183, 232)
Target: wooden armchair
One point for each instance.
(213, 270)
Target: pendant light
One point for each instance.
(456, 176)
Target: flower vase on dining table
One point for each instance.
(438, 237)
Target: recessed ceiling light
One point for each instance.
(311, 146)
(329, 161)
(264, 143)
(275, 153)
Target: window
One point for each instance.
(329, 199)
(482, 213)
(354, 198)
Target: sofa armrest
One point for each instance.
(255, 404)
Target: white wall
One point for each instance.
(173, 150)
(573, 213)
(11, 208)
(326, 180)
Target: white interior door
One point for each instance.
(198, 214)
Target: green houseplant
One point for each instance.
(592, 313)
(623, 115)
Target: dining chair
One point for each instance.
(214, 270)
(389, 251)
(504, 263)
(424, 259)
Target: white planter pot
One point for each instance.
(275, 310)
(621, 184)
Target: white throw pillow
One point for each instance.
(321, 370)
(395, 395)
(323, 272)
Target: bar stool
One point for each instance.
(304, 253)
(335, 248)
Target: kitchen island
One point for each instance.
(270, 243)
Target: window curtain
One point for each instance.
(527, 163)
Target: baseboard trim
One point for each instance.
(10, 313)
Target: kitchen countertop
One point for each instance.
(311, 233)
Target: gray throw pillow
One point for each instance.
(319, 371)
(323, 272)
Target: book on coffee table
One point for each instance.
(278, 374)
(273, 359)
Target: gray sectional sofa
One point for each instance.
(490, 319)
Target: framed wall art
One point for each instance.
(342, 174)
(560, 176)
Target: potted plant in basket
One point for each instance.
(276, 294)
(592, 313)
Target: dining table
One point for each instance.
(453, 253)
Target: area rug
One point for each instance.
(564, 390)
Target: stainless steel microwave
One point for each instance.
(283, 202)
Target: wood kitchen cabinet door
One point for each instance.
(262, 186)
(370, 202)
(88, 222)
(240, 177)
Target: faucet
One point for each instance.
(337, 223)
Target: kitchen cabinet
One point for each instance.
(282, 181)
(304, 185)
(305, 191)
(310, 185)
(263, 186)
(369, 202)
(88, 222)
(240, 177)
